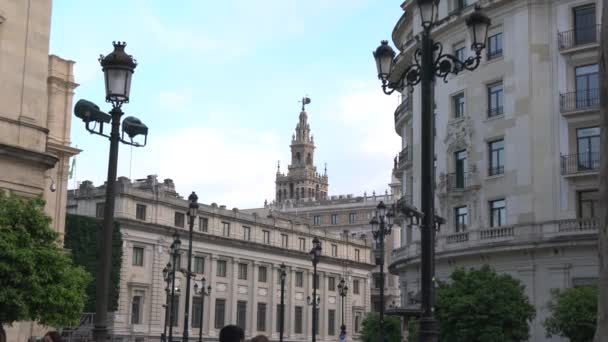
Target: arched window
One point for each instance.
(308, 160)
(298, 157)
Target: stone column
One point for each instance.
(290, 293)
(157, 296)
(322, 293)
(253, 299)
(231, 305)
(271, 327)
(210, 300)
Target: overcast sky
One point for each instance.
(218, 84)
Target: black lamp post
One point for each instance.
(175, 248)
(429, 62)
(382, 223)
(342, 291)
(192, 213)
(167, 275)
(118, 68)
(282, 317)
(202, 292)
(315, 255)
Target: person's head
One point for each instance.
(232, 333)
(52, 336)
(260, 338)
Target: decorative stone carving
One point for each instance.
(299, 295)
(221, 287)
(262, 292)
(458, 134)
(243, 289)
(331, 300)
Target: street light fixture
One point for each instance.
(342, 291)
(118, 68)
(283, 275)
(429, 62)
(202, 292)
(192, 213)
(382, 224)
(315, 256)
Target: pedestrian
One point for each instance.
(343, 334)
(52, 336)
(260, 338)
(232, 333)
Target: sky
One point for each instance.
(218, 85)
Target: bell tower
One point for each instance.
(302, 182)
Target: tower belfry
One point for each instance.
(302, 182)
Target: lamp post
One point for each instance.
(342, 291)
(192, 212)
(282, 317)
(202, 292)
(381, 223)
(315, 255)
(175, 247)
(429, 62)
(167, 275)
(118, 68)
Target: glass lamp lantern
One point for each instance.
(118, 68)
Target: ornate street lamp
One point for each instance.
(202, 292)
(175, 248)
(192, 213)
(382, 224)
(430, 61)
(282, 313)
(315, 255)
(342, 291)
(167, 275)
(118, 68)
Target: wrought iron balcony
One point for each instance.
(458, 181)
(586, 99)
(580, 163)
(578, 37)
(402, 160)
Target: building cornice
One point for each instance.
(48, 161)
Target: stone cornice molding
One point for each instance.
(24, 124)
(39, 158)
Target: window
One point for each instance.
(246, 233)
(461, 218)
(356, 286)
(221, 268)
(461, 167)
(241, 314)
(331, 322)
(199, 264)
(588, 148)
(316, 220)
(588, 204)
(331, 284)
(497, 163)
(261, 316)
(495, 98)
(243, 271)
(587, 84)
(284, 240)
(220, 313)
(179, 219)
(495, 45)
(352, 218)
(302, 242)
(136, 307)
(175, 310)
(459, 51)
(225, 228)
(357, 254)
(196, 312)
(99, 209)
(458, 102)
(262, 275)
(334, 218)
(266, 236)
(299, 279)
(334, 250)
(498, 213)
(203, 224)
(357, 321)
(140, 212)
(585, 30)
(298, 318)
(138, 256)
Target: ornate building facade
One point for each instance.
(239, 252)
(517, 147)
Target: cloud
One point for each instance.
(176, 99)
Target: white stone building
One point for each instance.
(239, 253)
(517, 147)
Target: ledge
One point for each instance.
(44, 159)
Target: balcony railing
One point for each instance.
(458, 181)
(580, 162)
(578, 37)
(496, 170)
(403, 158)
(580, 224)
(579, 100)
(495, 111)
(404, 107)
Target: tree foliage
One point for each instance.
(38, 280)
(82, 239)
(483, 306)
(370, 331)
(573, 313)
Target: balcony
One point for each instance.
(458, 181)
(580, 37)
(580, 164)
(402, 161)
(404, 108)
(579, 101)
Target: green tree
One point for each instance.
(370, 330)
(573, 313)
(38, 280)
(483, 306)
(81, 238)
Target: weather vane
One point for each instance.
(305, 101)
